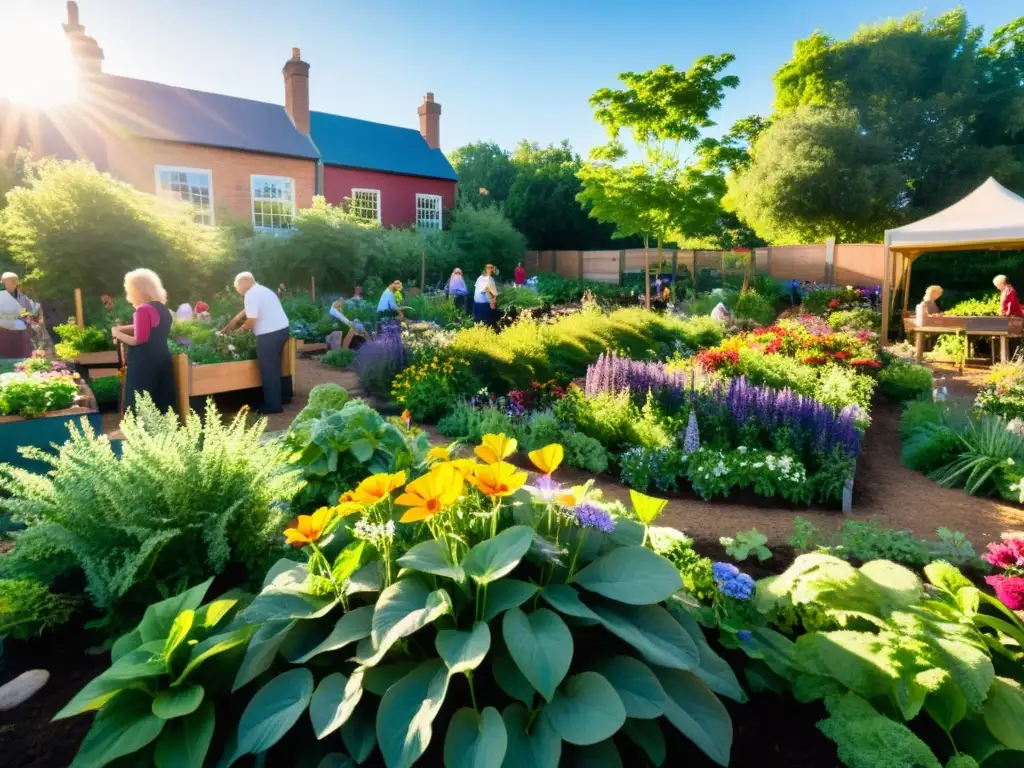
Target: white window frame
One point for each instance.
(182, 169)
(252, 202)
(369, 191)
(440, 209)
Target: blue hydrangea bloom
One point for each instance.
(744, 635)
(592, 516)
(731, 582)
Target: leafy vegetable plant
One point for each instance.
(746, 543)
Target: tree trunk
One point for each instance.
(748, 273)
(647, 275)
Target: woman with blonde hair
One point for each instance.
(148, 357)
(928, 308)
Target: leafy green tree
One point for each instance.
(893, 124)
(648, 194)
(486, 173)
(70, 226)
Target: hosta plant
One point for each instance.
(457, 616)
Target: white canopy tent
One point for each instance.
(989, 218)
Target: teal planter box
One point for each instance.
(41, 431)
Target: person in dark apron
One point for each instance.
(145, 341)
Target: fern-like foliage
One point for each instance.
(179, 504)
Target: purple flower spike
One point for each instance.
(591, 516)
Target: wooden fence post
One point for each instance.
(580, 262)
(830, 261)
(312, 287)
(79, 312)
(554, 262)
(181, 370)
(675, 265)
(622, 265)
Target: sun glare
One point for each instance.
(35, 64)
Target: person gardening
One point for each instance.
(1009, 305)
(485, 298)
(928, 307)
(388, 307)
(520, 274)
(16, 311)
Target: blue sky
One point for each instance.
(502, 71)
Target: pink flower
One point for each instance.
(1008, 553)
(1009, 590)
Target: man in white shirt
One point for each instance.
(485, 298)
(265, 317)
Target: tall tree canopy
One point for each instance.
(893, 124)
(485, 173)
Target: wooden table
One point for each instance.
(1003, 328)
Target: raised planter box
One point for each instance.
(202, 380)
(96, 365)
(309, 346)
(40, 432)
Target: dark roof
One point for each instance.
(356, 143)
(64, 132)
(166, 112)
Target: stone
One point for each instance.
(22, 688)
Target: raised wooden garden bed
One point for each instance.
(50, 427)
(310, 347)
(96, 365)
(202, 380)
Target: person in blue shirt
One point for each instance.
(457, 288)
(387, 307)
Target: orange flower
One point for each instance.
(406, 417)
(499, 479)
(438, 453)
(309, 528)
(548, 458)
(378, 487)
(346, 497)
(466, 466)
(430, 494)
(495, 448)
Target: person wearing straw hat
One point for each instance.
(16, 309)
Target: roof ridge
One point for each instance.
(362, 120)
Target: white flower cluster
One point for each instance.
(664, 539)
(368, 531)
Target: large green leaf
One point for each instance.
(213, 646)
(185, 741)
(505, 594)
(349, 560)
(431, 557)
(180, 628)
(946, 577)
(565, 599)
(712, 668)
(286, 576)
(351, 627)
(632, 575)
(604, 754)
(125, 644)
(283, 606)
(475, 740)
(1004, 712)
(334, 701)
(586, 709)
(533, 745)
(509, 678)
(866, 738)
(946, 705)
(406, 715)
(123, 727)
(652, 631)
(378, 679)
(359, 734)
(336, 760)
(858, 660)
(158, 618)
(971, 668)
(213, 614)
(636, 685)
(272, 712)
(694, 709)
(402, 609)
(541, 645)
(262, 648)
(463, 651)
(495, 558)
(369, 578)
(130, 671)
(647, 735)
(178, 702)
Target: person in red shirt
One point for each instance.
(1009, 305)
(520, 275)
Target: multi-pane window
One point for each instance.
(428, 211)
(193, 185)
(273, 203)
(365, 203)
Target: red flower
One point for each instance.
(834, 304)
(815, 360)
(1009, 590)
(842, 355)
(869, 363)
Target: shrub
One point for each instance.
(179, 504)
(518, 297)
(422, 604)
(584, 452)
(777, 371)
(27, 608)
(860, 319)
(839, 387)
(106, 389)
(431, 388)
(930, 447)
(338, 358)
(540, 429)
(485, 236)
(755, 307)
(902, 381)
(559, 290)
(74, 340)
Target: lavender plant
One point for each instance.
(381, 358)
(615, 374)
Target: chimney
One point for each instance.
(87, 54)
(296, 91)
(430, 121)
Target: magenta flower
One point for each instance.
(1006, 554)
(1009, 590)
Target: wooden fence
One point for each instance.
(858, 264)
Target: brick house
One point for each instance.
(234, 158)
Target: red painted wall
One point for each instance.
(397, 193)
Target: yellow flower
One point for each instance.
(430, 494)
(377, 487)
(495, 448)
(498, 479)
(308, 528)
(465, 466)
(548, 458)
(438, 453)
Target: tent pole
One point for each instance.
(906, 284)
(886, 270)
